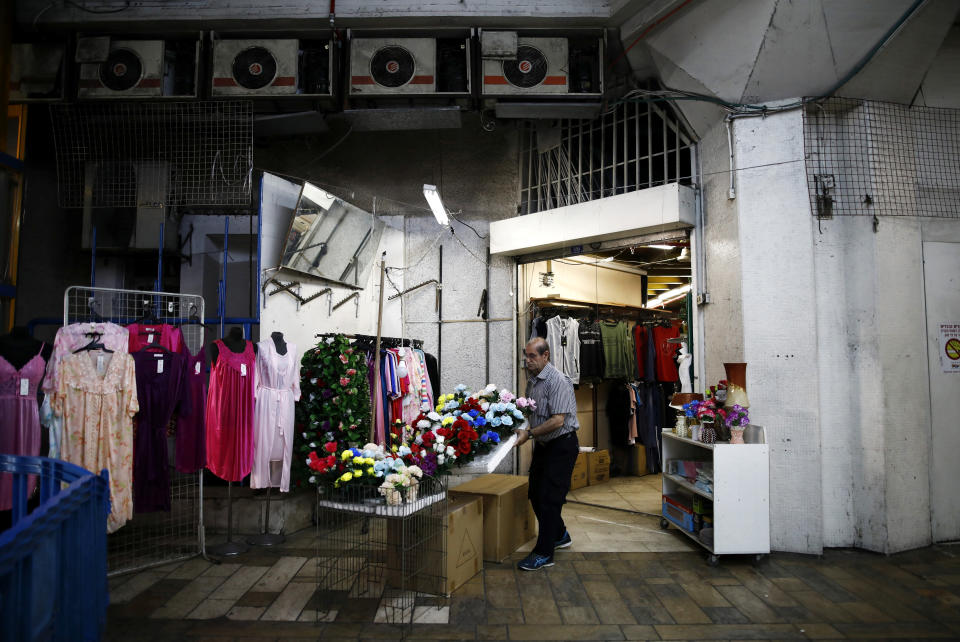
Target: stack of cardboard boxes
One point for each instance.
(590, 469)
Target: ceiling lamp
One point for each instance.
(669, 296)
(436, 205)
(661, 247)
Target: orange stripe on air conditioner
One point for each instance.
(361, 80)
(224, 82)
(285, 81)
(494, 80)
(149, 82)
(554, 80)
(422, 80)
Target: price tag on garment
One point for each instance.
(243, 370)
(149, 338)
(100, 364)
(196, 368)
(160, 366)
(563, 341)
(24, 387)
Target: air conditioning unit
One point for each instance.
(409, 66)
(548, 67)
(254, 67)
(132, 68)
(35, 72)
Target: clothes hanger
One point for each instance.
(94, 345)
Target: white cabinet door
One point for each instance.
(941, 276)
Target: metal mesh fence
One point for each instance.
(131, 154)
(392, 553)
(868, 158)
(150, 538)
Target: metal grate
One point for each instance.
(395, 554)
(150, 538)
(633, 146)
(130, 154)
(868, 158)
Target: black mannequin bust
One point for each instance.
(279, 343)
(18, 347)
(234, 342)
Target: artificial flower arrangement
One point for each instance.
(736, 417)
(334, 403)
(400, 484)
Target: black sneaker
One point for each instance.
(534, 562)
(564, 541)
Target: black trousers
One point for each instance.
(550, 473)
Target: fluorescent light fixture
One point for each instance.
(661, 247)
(684, 253)
(668, 296)
(436, 205)
(609, 258)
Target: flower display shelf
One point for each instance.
(367, 549)
(739, 504)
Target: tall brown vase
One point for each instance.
(736, 385)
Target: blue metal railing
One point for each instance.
(53, 562)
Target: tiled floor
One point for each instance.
(623, 578)
(642, 494)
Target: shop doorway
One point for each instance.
(642, 290)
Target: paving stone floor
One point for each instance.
(623, 579)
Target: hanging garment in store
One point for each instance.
(666, 352)
(229, 413)
(68, 339)
(591, 351)
(191, 453)
(618, 351)
(19, 417)
(563, 337)
(426, 389)
(278, 389)
(433, 374)
(161, 387)
(96, 396)
(538, 328)
(640, 348)
(168, 336)
(415, 383)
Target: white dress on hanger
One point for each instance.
(278, 387)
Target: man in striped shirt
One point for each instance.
(553, 427)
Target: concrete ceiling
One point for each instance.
(758, 51)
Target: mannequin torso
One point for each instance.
(279, 343)
(18, 347)
(234, 342)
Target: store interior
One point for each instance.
(643, 284)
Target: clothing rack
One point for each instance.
(385, 342)
(574, 307)
(150, 538)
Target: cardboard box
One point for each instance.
(598, 467)
(420, 561)
(638, 460)
(508, 519)
(579, 477)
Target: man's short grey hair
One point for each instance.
(540, 345)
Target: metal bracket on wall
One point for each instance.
(288, 288)
(417, 287)
(355, 295)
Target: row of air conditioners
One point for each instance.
(377, 67)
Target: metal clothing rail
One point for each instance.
(150, 539)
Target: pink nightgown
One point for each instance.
(229, 413)
(19, 418)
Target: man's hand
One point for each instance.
(522, 437)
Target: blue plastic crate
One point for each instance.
(678, 516)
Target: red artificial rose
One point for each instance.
(351, 371)
(460, 424)
(415, 449)
(344, 381)
(331, 461)
(428, 438)
(330, 446)
(463, 447)
(343, 358)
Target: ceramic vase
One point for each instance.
(736, 435)
(736, 385)
(707, 434)
(681, 426)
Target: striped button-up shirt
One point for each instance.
(553, 392)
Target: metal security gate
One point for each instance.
(150, 539)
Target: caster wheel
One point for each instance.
(664, 524)
(759, 558)
(713, 560)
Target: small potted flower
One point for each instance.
(707, 414)
(736, 419)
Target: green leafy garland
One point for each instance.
(334, 402)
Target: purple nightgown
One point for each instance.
(191, 446)
(161, 385)
(19, 417)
